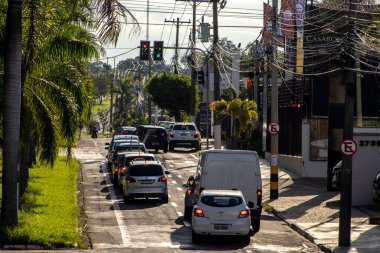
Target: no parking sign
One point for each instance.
(348, 147)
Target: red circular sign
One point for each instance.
(274, 128)
(348, 147)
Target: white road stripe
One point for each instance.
(179, 188)
(174, 182)
(169, 175)
(169, 196)
(168, 161)
(189, 162)
(171, 165)
(179, 176)
(183, 195)
(187, 224)
(118, 214)
(180, 214)
(194, 156)
(173, 204)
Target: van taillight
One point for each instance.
(171, 134)
(189, 192)
(259, 197)
(129, 180)
(196, 134)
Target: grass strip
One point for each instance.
(49, 215)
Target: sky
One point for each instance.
(235, 13)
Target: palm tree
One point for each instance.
(109, 26)
(11, 112)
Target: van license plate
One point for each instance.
(221, 227)
(155, 143)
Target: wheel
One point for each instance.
(255, 225)
(187, 212)
(199, 147)
(156, 150)
(195, 238)
(171, 147)
(246, 239)
(165, 199)
(166, 149)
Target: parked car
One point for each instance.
(226, 170)
(128, 147)
(123, 162)
(116, 140)
(154, 137)
(145, 179)
(376, 189)
(221, 212)
(168, 125)
(125, 130)
(184, 134)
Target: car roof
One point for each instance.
(229, 151)
(138, 154)
(124, 136)
(165, 122)
(222, 192)
(185, 123)
(129, 127)
(152, 126)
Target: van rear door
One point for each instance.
(218, 173)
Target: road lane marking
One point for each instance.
(183, 195)
(180, 176)
(171, 165)
(179, 214)
(189, 162)
(168, 161)
(170, 176)
(116, 208)
(174, 182)
(169, 196)
(173, 204)
(179, 188)
(194, 156)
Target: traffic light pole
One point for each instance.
(192, 102)
(215, 44)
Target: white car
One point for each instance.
(184, 134)
(221, 212)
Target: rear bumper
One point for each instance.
(205, 226)
(185, 143)
(146, 191)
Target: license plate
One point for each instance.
(221, 227)
(184, 134)
(155, 143)
(146, 182)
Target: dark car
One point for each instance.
(154, 137)
(376, 189)
(124, 130)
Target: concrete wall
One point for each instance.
(311, 169)
(291, 163)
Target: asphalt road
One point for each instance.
(149, 225)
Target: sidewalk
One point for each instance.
(314, 212)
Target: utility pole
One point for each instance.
(111, 92)
(215, 43)
(149, 64)
(193, 44)
(265, 103)
(274, 110)
(178, 23)
(255, 87)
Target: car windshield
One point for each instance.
(184, 127)
(130, 148)
(138, 158)
(166, 125)
(146, 170)
(117, 143)
(221, 200)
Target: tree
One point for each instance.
(11, 112)
(245, 112)
(171, 92)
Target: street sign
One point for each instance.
(274, 128)
(348, 147)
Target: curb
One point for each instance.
(302, 232)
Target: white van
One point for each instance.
(227, 170)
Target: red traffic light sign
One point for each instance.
(274, 128)
(348, 147)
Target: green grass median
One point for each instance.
(49, 214)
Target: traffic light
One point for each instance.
(158, 50)
(201, 77)
(144, 50)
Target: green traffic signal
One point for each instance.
(158, 50)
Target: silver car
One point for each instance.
(145, 179)
(184, 134)
(221, 212)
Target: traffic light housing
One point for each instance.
(144, 50)
(201, 77)
(158, 50)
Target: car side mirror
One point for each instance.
(107, 143)
(167, 172)
(250, 204)
(106, 148)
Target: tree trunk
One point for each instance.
(11, 112)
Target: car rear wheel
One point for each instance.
(199, 147)
(187, 212)
(165, 199)
(195, 238)
(156, 150)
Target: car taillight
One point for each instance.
(116, 169)
(198, 212)
(124, 169)
(244, 213)
(162, 179)
(171, 134)
(129, 180)
(189, 192)
(259, 197)
(196, 134)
